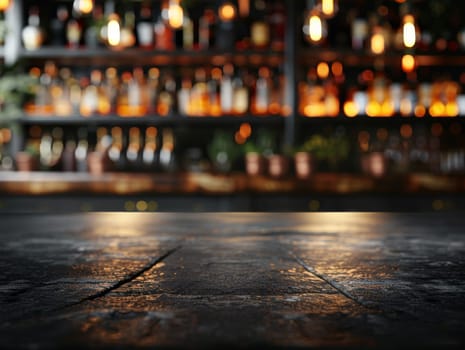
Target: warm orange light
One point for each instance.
(406, 131)
(175, 14)
(452, 109)
(406, 107)
(83, 6)
(227, 12)
(409, 31)
(373, 109)
(4, 4)
(420, 111)
(322, 69)
(337, 68)
(113, 30)
(437, 109)
(328, 8)
(408, 63)
(377, 42)
(245, 130)
(350, 109)
(315, 110)
(387, 109)
(315, 27)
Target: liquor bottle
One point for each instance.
(110, 87)
(277, 94)
(166, 103)
(69, 160)
(58, 26)
(277, 25)
(240, 98)
(103, 97)
(359, 31)
(226, 89)
(260, 27)
(199, 94)
(89, 99)
(131, 95)
(153, 77)
(167, 155)
(115, 152)
(164, 35)
(184, 96)
(145, 26)
(261, 99)
(150, 154)
(213, 86)
(134, 149)
(187, 32)
(92, 33)
(33, 35)
(207, 29)
(61, 93)
(225, 28)
(82, 150)
(128, 36)
(73, 33)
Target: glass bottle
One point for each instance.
(73, 33)
(164, 35)
(128, 36)
(184, 96)
(240, 95)
(92, 33)
(260, 27)
(213, 87)
(82, 149)
(261, 100)
(187, 32)
(207, 29)
(134, 151)
(226, 89)
(150, 154)
(145, 29)
(166, 103)
(278, 25)
(58, 26)
(199, 94)
(32, 35)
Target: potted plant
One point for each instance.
(319, 148)
(222, 151)
(255, 162)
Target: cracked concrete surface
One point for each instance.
(281, 280)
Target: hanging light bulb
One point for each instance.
(315, 27)
(409, 31)
(227, 11)
(328, 8)
(175, 14)
(83, 6)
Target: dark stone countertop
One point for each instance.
(239, 280)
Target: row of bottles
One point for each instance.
(162, 25)
(438, 149)
(326, 92)
(382, 26)
(140, 92)
(109, 149)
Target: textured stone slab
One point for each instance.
(337, 280)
